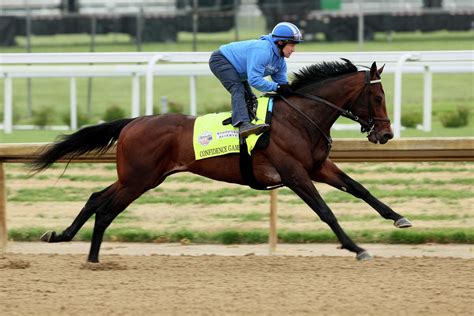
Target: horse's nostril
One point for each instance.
(385, 138)
(388, 135)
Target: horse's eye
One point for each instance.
(378, 99)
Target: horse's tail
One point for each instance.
(96, 138)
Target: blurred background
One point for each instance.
(163, 20)
(45, 26)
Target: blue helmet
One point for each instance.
(287, 32)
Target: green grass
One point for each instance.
(449, 90)
(406, 236)
(405, 193)
(74, 178)
(247, 217)
(48, 194)
(413, 217)
(234, 195)
(408, 170)
(460, 181)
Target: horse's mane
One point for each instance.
(321, 71)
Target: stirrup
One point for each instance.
(247, 129)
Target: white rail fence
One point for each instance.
(194, 64)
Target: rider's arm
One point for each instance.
(281, 76)
(256, 61)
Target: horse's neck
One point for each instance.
(338, 92)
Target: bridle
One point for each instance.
(366, 126)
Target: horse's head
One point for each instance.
(370, 107)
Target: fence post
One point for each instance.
(73, 103)
(427, 99)
(272, 235)
(192, 93)
(3, 216)
(149, 83)
(135, 95)
(397, 94)
(8, 105)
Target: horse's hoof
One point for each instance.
(364, 256)
(46, 237)
(402, 223)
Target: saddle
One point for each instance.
(213, 135)
(246, 167)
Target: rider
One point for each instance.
(235, 63)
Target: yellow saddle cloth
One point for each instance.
(211, 138)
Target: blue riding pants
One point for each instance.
(239, 89)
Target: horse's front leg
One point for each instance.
(300, 182)
(329, 173)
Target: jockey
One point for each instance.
(239, 64)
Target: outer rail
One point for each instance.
(343, 150)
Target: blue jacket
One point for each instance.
(256, 59)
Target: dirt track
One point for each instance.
(63, 284)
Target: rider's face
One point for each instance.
(288, 49)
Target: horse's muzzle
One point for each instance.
(381, 137)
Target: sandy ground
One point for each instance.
(464, 251)
(171, 279)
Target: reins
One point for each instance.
(345, 113)
(366, 126)
(309, 119)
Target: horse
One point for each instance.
(150, 148)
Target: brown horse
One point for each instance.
(150, 148)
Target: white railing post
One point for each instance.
(73, 103)
(135, 95)
(397, 92)
(192, 95)
(149, 83)
(8, 105)
(427, 99)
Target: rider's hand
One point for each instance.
(284, 89)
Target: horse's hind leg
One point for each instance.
(329, 173)
(118, 199)
(87, 211)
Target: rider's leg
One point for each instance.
(231, 80)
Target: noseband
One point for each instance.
(366, 126)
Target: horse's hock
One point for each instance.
(343, 150)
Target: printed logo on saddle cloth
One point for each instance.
(211, 138)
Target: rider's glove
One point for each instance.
(284, 89)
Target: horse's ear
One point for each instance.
(373, 70)
(347, 61)
(381, 70)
